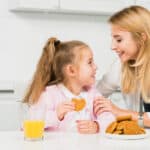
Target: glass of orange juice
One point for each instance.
(33, 124)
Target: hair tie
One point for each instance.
(56, 43)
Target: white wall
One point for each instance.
(22, 36)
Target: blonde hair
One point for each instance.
(50, 68)
(136, 20)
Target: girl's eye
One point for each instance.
(119, 40)
(90, 62)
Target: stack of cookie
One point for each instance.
(125, 125)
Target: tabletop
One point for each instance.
(14, 140)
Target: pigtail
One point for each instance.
(44, 72)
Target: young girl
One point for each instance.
(66, 71)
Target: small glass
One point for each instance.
(33, 124)
(140, 110)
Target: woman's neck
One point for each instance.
(74, 88)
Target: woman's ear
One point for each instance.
(144, 37)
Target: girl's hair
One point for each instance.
(136, 20)
(50, 68)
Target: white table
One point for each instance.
(13, 140)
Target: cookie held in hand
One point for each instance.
(79, 103)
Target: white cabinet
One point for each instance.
(10, 117)
(72, 6)
(34, 5)
(94, 6)
(144, 3)
(11, 95)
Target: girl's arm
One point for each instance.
(87, 126)
(46, 105)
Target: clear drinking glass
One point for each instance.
(140, 110)
(33, 123)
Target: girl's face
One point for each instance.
(86, 68)
(123, 44)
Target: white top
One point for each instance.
(111, 82)
(14, 140)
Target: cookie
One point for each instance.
(131, 127)
(141, 131)
(125, 125)
(118, 132)
(79, 104)
(123, 118)
(111, 128)
(120, 125)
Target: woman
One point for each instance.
(130, 30)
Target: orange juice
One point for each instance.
(33, 129)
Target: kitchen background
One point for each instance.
(25, 25)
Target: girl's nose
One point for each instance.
(113, 46)
(95, 66)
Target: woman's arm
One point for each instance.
(110, 81)
(102, 104)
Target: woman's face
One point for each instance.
(123, 44)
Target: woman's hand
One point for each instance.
(63, 108)
(87, 126)
(102, 104)
(146, 120)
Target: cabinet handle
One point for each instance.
(7, 91)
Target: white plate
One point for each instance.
(128, 137)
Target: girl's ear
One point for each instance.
(70, 70)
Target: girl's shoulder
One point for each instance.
(50, 91)
(92, 91)
(51, 88)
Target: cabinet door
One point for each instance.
(10, 115)
(95, 6)
(144, 3)
(34, 4)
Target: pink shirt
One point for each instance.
(54, 95)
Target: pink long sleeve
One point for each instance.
(105, 118)
(53, 95)
(46, 104)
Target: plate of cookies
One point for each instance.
(125, 128)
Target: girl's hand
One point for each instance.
(63, 108)
(87, 126)
(102, 104)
